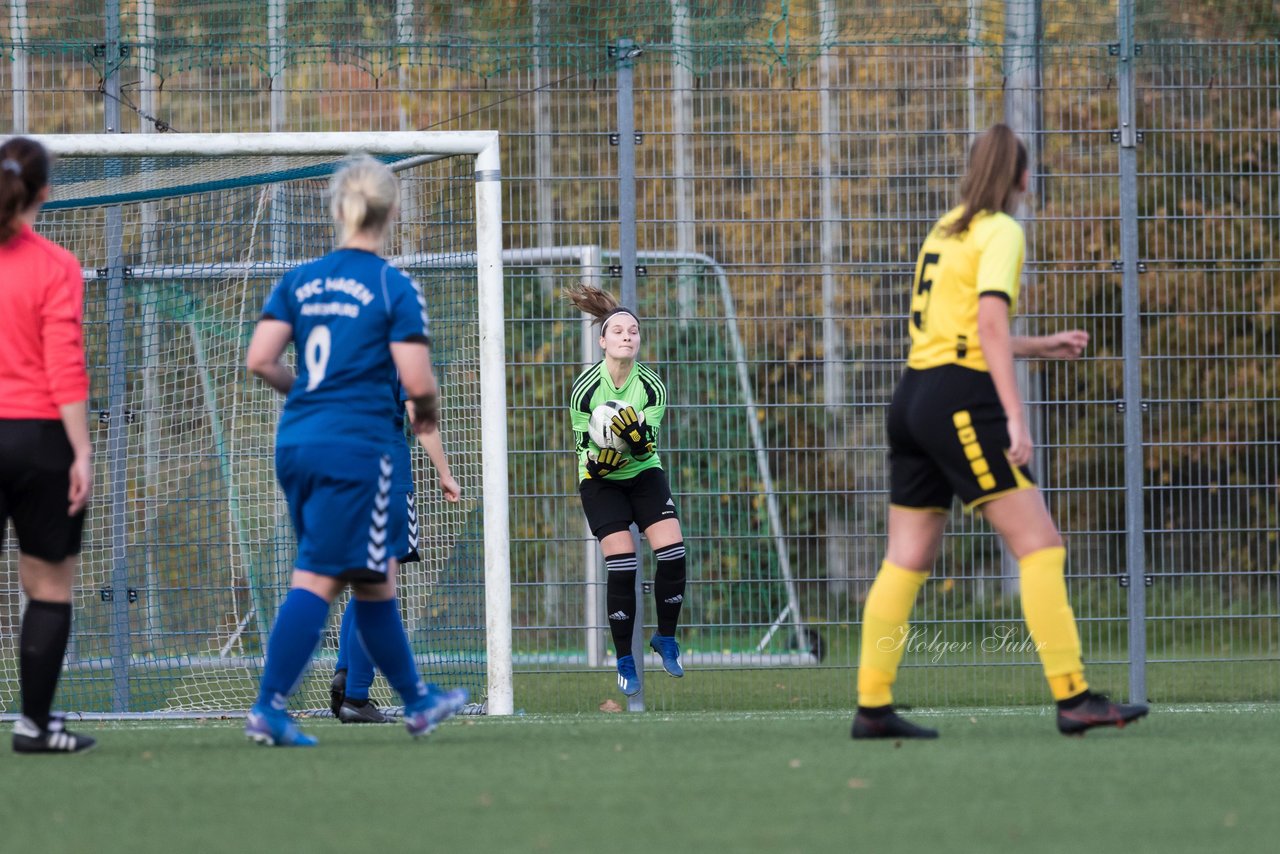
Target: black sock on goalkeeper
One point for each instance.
(668, 587)
(43, 641)
(620, 599)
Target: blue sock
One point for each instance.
(379, 627)
(344, 636)
(359, 666)
(293, 640)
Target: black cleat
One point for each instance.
(361, 712)
(338, 692)
(56, 738)
(1091, 710)
(885, 723)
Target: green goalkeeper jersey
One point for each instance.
(643, 389)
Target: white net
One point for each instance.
(188, 545)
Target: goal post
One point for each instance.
(188, 546)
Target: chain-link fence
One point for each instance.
(789, 158)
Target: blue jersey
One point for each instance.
(345, 308)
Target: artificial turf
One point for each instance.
(1186, 779)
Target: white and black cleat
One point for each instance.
(56, 738)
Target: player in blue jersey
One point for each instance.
(353, 672)
(355, 322)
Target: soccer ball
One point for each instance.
(598, 427)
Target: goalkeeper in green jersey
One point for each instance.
(625, 485)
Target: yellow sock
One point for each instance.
(884, 631)
(1051, 622)
(1067, 686)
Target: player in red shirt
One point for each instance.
(46, 474)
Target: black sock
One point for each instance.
(875, 711)
(620, 599)
(42, 643)
(668, 587)
(1072, 702)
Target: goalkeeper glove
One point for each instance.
(606, 462)
(628, 427)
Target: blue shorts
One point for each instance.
(410, 554)
(404, 498)
(344, 511)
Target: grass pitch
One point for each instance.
(1187, 779)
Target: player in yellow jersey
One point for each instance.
(957, 428)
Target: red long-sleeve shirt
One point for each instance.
(41, 338)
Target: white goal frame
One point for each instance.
(420, 147)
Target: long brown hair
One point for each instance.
(595, 302)
(996, 163)
(24, 172)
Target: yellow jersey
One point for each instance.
(951, 273)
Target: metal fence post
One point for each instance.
(117, 592)
(18, 18)
(627, 51)
(682, 158)
(543, 138)
(1023, 33)
(1134, 475)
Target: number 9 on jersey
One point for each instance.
(315, 353)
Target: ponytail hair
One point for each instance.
(24, 172)
(597, 303)
(362, 196)
(996, 163)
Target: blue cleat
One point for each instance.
(628, 679)
(275, 729)
(670, 652)
(434, 709)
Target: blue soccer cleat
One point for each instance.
(670, 652)
(275, 729)
(435, 708)
(628, 679)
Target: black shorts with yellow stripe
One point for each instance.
(947, 437)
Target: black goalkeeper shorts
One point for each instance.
(612, 505)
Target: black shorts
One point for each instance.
(612, 505)
(947, 437)
(35, 459)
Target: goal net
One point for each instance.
(188, 546)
